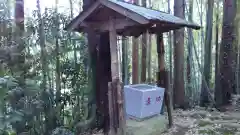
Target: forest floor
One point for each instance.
(202, 121)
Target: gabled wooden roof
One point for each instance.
(140, 16)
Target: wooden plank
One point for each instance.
(121, 10)
(103, 26)
(114, 50)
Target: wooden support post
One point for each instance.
(121, 108)
(111, 110)
(114, 50)
(118, 117)
(162, 77)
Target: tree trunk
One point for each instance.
(149, 52)
(189, 48)
(225, 77)
(20, 55)
(217, 46)
(74, 47)
(206, 76)
(135, 56)
(237, 23)
(149, 59)
(144, 51)
(170, 54)
(178, 87)
(235, 48)
(71, 8)
(57, 72)
(19, 14)
(125, 60)
(43, 49)
(162, 77)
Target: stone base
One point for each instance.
(152, 126)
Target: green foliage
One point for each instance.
(27, 108)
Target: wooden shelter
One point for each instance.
(111, 18)
(131, 20)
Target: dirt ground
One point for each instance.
(202, 121)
